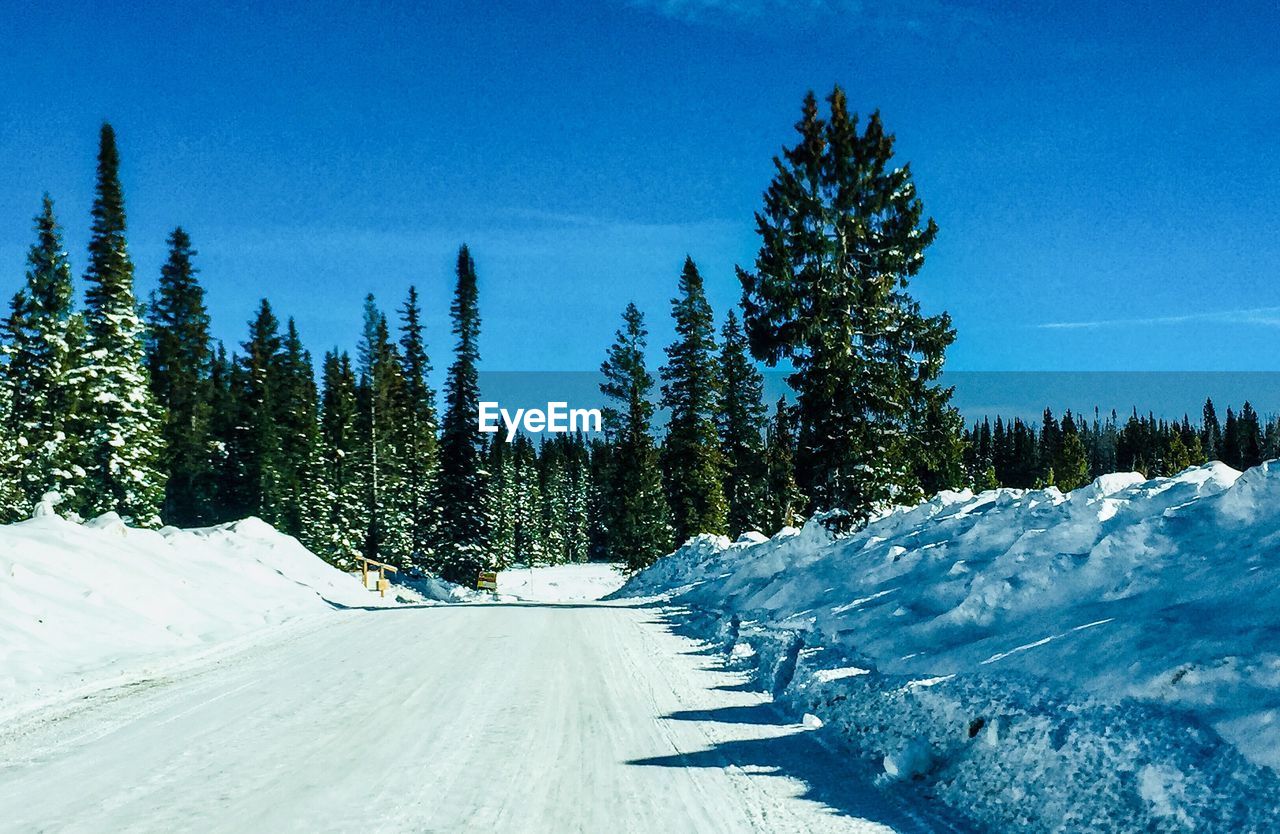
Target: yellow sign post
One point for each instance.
(488, 581)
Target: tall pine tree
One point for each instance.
(43, 336)
(418, 433)
(691, 390)
(842, 232)
(1211, 432)
(527, 506)
(343, 522)
(296, 402)
(741, 424)
(118, 422)
(382, 420)
(254, 482)
(501, 498)
(180, 364)
(464, 528)
(634, 507)
(784, 500)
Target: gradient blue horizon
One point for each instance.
(1104, 175)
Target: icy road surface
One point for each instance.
(526, 717)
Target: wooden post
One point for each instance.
(383, 570)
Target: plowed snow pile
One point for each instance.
(1107, 660)
(86, 603)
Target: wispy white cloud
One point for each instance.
(916, 15)
(1266, 316)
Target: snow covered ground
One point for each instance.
(1107, 660)
(561, 583)
(92, 604)
(89, 605)
(1102, 661)
(523, 717)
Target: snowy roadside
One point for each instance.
(1100, 661)
(560, 583)
(90, 606)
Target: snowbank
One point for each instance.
(1107, 660)
(560, 583)
(86, 603)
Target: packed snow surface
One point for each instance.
(96, 602)
(560, 583)
(1105, 660)
(527, 718)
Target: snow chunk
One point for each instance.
(912, 761)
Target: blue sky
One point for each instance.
(1105, 175)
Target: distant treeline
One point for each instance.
(1070, 451)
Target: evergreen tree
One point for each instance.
(841, 235)
(42, 336)
(1133, 446)
(691, 455)
(935, 443)
(257, 475)
(1025, 455)
(578, 521)
(1232, 453)
(741, 424)
(1071, 465)
(1250, 433)
(1003, 453)
(527, 507)
(554, 486)
(343, 523)
(978, 455)
(297, 406)
(636, 512)
(382, 422)
(986, 480)
(224, 434)
(179, 362)
(600, 509)
(1271, 441)
(1176, 455)
(1103, 453)
(502, 500)
(13, 503)
(464, 523)
(118, 423)
(785, 501)
(1195, 454)
(417, 433)
(1051, 438)
(1210, 432)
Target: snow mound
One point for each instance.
(1104, 660)
(88, 603)
(560, 583)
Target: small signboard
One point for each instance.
(488, 580)
(383, 569)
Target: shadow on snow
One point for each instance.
(836, 779)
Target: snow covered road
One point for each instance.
(523, 717)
